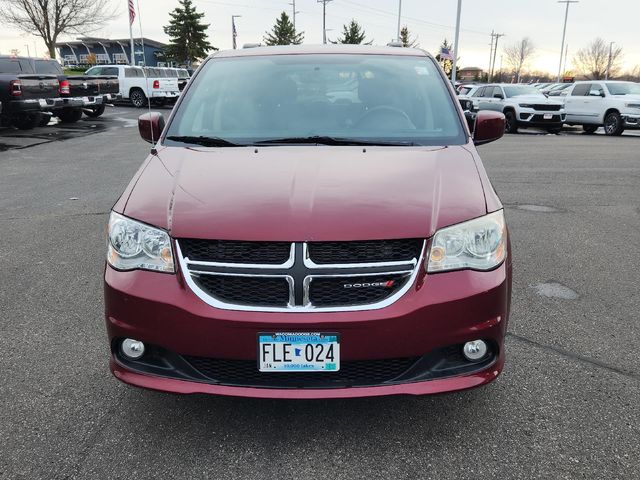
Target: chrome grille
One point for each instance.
(318, 276)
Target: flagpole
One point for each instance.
(455, 45)
(133, 55)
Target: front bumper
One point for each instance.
(535, 118)
(631, 120)
(167, 95)
(439, 310)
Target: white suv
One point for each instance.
(522, 105)
(596, 103)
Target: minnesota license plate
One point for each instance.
(298, 352)
(548, 116)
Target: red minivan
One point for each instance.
(312, 222)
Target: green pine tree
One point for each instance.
(406, 39)
(353, 34)
(188, 38)
(283, 33)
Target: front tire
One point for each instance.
(510, 123)
(613, 125)
(589, 129)
(27, 121)
(94, 112)
(138, 98)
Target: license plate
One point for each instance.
(548, 116)
(298, 352)
(42, 102)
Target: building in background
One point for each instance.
(103, 51)
(470, 74)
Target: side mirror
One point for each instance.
(489, 127)
(150, 126)
(596, 93)
(499, 95)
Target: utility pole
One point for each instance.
(564, 31)
(28, 54)
(293, 3)
(324, 19)
(455, 45)
(566, 55)
(490, 57)
(495, 52)
(234, 32)
(399, 17)
(606, 75)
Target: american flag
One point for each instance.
(235, 32)
(445, 54)
(132, 12)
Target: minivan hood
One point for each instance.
(302, 193)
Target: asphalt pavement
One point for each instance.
(567, 405)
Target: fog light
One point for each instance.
(474, 350)
(133, 349)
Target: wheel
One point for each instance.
(613, 124)
(554, 130)
(510, 124)
(94, 112)
(138, 98)
(589, 129)
(27, 121)
(70, 115)
(46, 117)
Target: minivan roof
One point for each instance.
(318, 49)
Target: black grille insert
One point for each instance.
(230, 251)
(547, 108)
(351, 373)
(248, 291)
(368, 251)
(331, 292)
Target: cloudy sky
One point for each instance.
(430, 20)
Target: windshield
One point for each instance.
(517, 90)
(626, 88)
(367, 98)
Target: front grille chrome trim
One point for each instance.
(188, 276)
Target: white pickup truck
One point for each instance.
(137, 84)
(603, 103)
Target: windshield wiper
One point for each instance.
(327, 140)
(203, 141)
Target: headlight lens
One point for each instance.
(133, 245)
(526, 105)
(479, 244)
(633, 105)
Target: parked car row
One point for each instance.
(614, 105)
(34, 90)
(138, 85)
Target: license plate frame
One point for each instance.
(548, 116)
(289, 352)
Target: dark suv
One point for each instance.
(312, 222)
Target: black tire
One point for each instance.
(589, 129)
(27, 121)
(613, 125)
(46, 117)
(554, 130)
(510, 123)
(70, 115)
(94, 112)
(138, 98)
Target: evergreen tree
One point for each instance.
(406, 39)
(188, 38)
(353, 34)
(283, 33)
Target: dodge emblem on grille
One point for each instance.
(387, 284)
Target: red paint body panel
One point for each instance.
(317, 193)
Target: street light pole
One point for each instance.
(399, 17)
(455, 45)
(28, 54)
(564, 32)
(606, 75)
(234, 32)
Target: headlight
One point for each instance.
(133, 245)
(633, 105)
(526, 105)
(479, 244)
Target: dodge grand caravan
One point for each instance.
(312, 222)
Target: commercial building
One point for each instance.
(103, 51)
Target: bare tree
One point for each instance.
(592, 61)
(518, 54)
(49, 19)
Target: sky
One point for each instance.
(430, 20)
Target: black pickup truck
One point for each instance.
(25, 94)
(93, 92)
